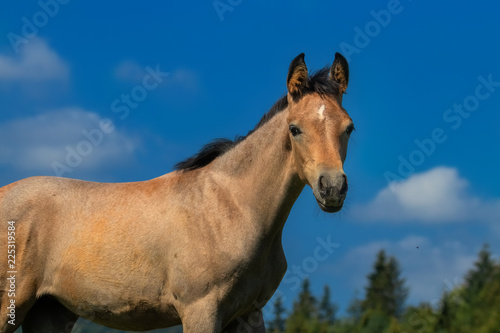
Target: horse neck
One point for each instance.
(259, 174)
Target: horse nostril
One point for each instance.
(323, 186)
(343, 188)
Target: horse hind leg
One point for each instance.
(49, 316)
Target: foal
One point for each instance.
(199, 246)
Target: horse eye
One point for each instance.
(294, 130)
(349, 129)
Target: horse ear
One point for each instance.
(339, 72)
(297, 75)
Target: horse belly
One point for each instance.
(113, 289)
(140, 305)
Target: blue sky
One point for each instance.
(424, 94)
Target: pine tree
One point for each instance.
(490, 296)
(480, 275)
(474, 302)
(445, 315)
(307, 302)
(397, 288)
(355, 309)
(376, 280)
(278, 323)
(386, 291)
(326, 308)
(304, 313)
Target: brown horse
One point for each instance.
(199, 246)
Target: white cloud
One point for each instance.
(35, 62)
(34, 143)
(428, 268)
(438, 195)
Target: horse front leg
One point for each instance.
(202, 317)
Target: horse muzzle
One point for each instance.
(330, 191)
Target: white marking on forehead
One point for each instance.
(320, 112)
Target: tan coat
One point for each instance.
(201, 247)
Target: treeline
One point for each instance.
(473, 306)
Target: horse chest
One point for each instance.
(256, 284)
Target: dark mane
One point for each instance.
(318, 82)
